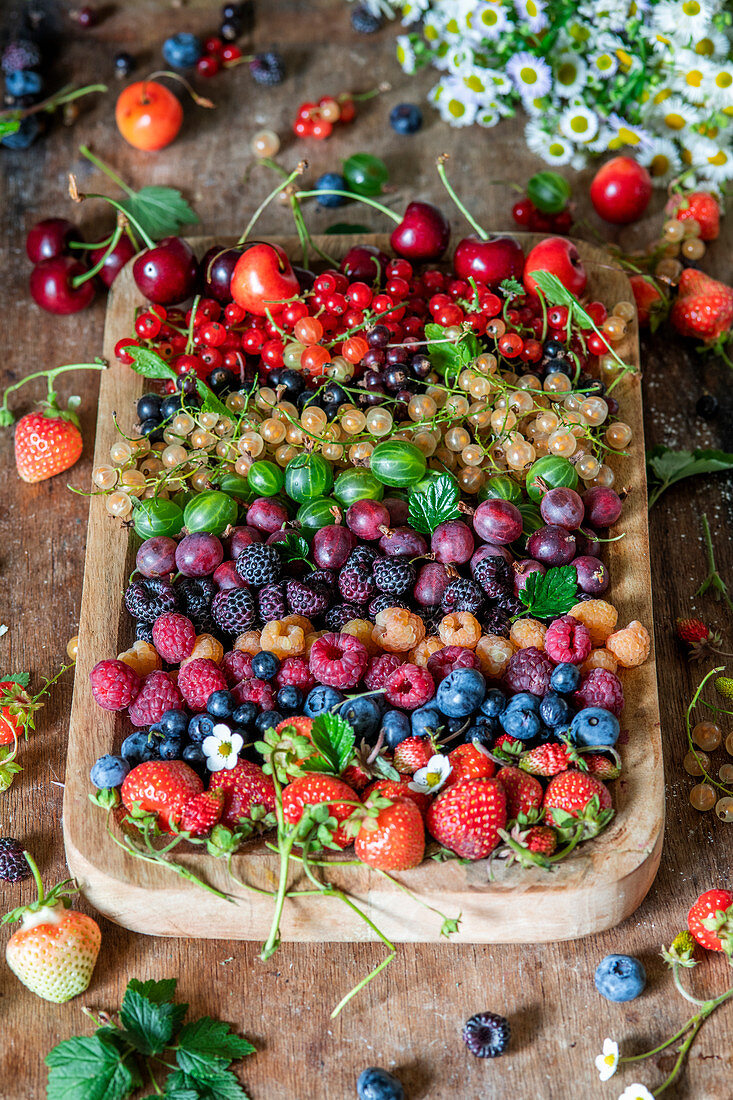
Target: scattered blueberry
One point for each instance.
(461, 692)
(425, 721)
(170, 748)
(486, 1034)
(173, 722)
(620, 978)
(221, 704)
(396, 726)
(522, 722)
(265, 665)
(363, 714)
(594, 726)
(23, 82)
(481, 735)
(555, 711)
(405, 118)
(707, 405)
(266, 720)
(136, 748)
(245, 714)
(365, 21)
(565, 678)
(267, 68)
(377, 1084)
(182, 51)
(200, 727)
(24, 136)
(494, 703)
(124, 63)
(320, 699)
(289, 699)
(109, 771)
(330, 181)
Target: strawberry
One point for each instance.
(601, 767)
(13, 701)
(394, 840)
(467, 817)
(724, 686)
(46, 443)
(710, 921)
(703, 308)
(356, 776)
(314, 789)
(547, 760)
(651, 304)
(396, 789)
(55, 949)
(412, 754)
(523, 792)
(161, 787)
(579, 796)
(469, 762)
(700, 639)
(202, 812)
(700, 205)
(541, 839)
(505, 741)
(245, 786)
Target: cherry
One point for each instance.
(115, 260)
(560, 257)
(50, 238)
(489, 262)
(167, 273)
(217, 268)
(365, 263)
(263, 279)
(51, 286)
(423, 234)
(452, 542)
(523, 211)
(621, 190)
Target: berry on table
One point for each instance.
(409, 686)
(162, 787)
(405, 118)
(565, 678)
(173, 636)
(13, 864)
(567, 641)
(620, 978)
(461, 692)
(529, 670)
(601, 688)
(245, 786)
(486, 1034)
(267, 68)
(523, 792)
(182, 51)
(114, 684)
(233, 610)
(710, 920)
(398, 841)
(45, 444)
(594, 726)
(598, 616)
(374, 1083)
(198, 680)
(20, 54)
(109, 771)
(330, 181)
(312, 790)
(338, 660)
(364, 20)
(467, 816)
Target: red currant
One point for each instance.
(400, 269)
(360, 295)
(272, 353)
(321, 129)
(208, 65)
(147, 326)
(522, 212)
(234, 314)
(557, 317)
(213, 334)
(597, 345)
(347, 108)
(252, 340)
(121, 346)
(230, 53)
(597, 312)
(213, 45)
(211, 358)
(510, 345)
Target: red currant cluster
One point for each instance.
(527, 216)
(317, 120)
(217, 55)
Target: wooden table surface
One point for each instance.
(409, 1019)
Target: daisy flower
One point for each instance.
(683, 21)
(455, 104)
(489, 20)
(571, 73)
(430, 779)
(718, 87)
(690, 76)
(553, 148)
(626, 133)
(661, 157)
(607, 1062)
(636, 1092)
(406, 56)
(532, 12)
(603, 64)
(489, 116)
(221, 748)
(712, 159)
(676, 115)
(413, 10)
(531, 76)
(579, 123)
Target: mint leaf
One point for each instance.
(223, 1086)
(434, 505)
(667, 466)
(89, 1069)
(161, 211)
(206, 1047)
(557, 295)
(149, 1025)
(551, 595)
(149, 364)
(334, 738)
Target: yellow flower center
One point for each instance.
(452, 26)
(566, 74)
(489, 18)
(456, 108)
(691, 8)
(579, 124)
(527, 75)
(531, 9)
(628, 137)
(660, 97)
(556, 149)
(430, 33)
(694, 78)
(719, 159)
(724, 80)
(705, 47)
(609, 1059)
(474, 84)
(674, 121)
(660, 165)
(604, 62)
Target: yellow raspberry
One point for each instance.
(494, 654)
(527, 632)
(205, 646)
(631, 645)
(599, 658)
(460, 628)
(282, 639)
(424, 650)
(299, 620)
(249, 642)
(398, 630)
(362, 629)
(599, 616)
(142, 657)
(310, 639)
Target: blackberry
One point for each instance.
(259, 564)
(496, 622)
(431, 616)
(495, 576)
(234, 610)
(394, 575)
(144, 632)
(195, 595)
(356, 585)
(326, 579)
(364, 21)
(340, 614)
(304, 600)
(124, 63)
(462, 595)
(13, 866)
(19, 55)
(363, 557)
(510, 605)
(707, 406)
(486, 1034)
(148, 598)
(272, 603)
(382, 602)
(267, 68)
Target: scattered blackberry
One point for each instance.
(304, 600)
(340, 614)
(462, 595)
(364, 21)
(267, 68)
(363, 557)
(494, 575)
(272, 603)
(148, 598)
(510, 605)
(496, 622)
(396, 576)
(124, 63)
(259, 564)
(356, 584)
(144, 632)
(234, 610)
(195, 595)
(13, 866)
(486, 1034)
(707, 406)
(19, 55)
(327, 579)
(383, 601)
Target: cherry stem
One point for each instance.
(298, 171)
(354, 197)
(77, 196)
(199, 100)
(67, 95)
(440, 163)
(79, 280)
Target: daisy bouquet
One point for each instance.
(655, 76)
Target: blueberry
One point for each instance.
(24, 136)
(170, 748)
(594, 726)
(221, 704)
(494, 703)
(182, 51)
(620, 978)
(109, 771)
(265, 665)
(173, 722)
(524, 700)
(330, 181)
(425, 721)
(405, 118)
(363, 714)
(490, 727)
(520, 722)
(555, 711)
(377, 1084)
(135, 748)
(23, 82)
(124, 63)
(565, 678)
(289, 699)
(365, 21)
(148, 407)
(200, 727)
(194, 755)
(320, 699)
(396, 726)
(266, 720)
(480, 735)
(461, 692)
(245, 714)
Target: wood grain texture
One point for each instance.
(410, 1018)
(598, 886)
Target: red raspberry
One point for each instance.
(174, 636)
(451, 657)
(198, 679)
(409, 686)
(236, 666)
(380, 669)
(567, 641)
(114, 684)
(529, 670)
(259, 692)
(295, 672)
(338, 660)
(601, 688)
(157, 695)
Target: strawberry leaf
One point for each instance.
(435, 505)
(208, 1044)
(665, 467)
(448, 357)
(21, 678)
(222, 1086)
(160, 211)
(149, 1024)
(149, 364)
(551, 595)
(512, 288)
(334, 738)
(89, 1069)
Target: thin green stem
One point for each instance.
(713, 579)
(482, 234)
(354, 197)
(680, 1058)
(36, 876)
(66, 95)
(50, 376)
(79, 279)
(146, 238)
(677, 979)
(95, 160)
(266, 202)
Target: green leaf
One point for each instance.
(87, 1068)
(149, 1025)
(437, 504)
(161, 211)
(211, 402)
(293, 547)
(157, 992)
(667, 466)
(557, 295)
(206, 1047)
(149, 364)
(9, 126)
(20, 678)
(551, 595)
(334, 738)
(512, 288)
(223, 1086)
(447, 356)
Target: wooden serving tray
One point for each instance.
(599, 885)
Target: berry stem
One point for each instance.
(67, 94)
(79, 280)
(100, 164)
(713, 579)
(449, 925)
(354, 197)
(285, 842)
(7, 418)
(440, 164)
(36, 876)
(77, 196)
(298, 171)
(688, 725)
(677, 978)
(199, 100)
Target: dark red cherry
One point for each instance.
(50, 238)
(423, 233)
(489, 262)
(217, 268)
(364, 263)
(52, 288)
(123, 251)
(166, 274)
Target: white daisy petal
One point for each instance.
(530, 75)
(607, 1062)
(636, 1092)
